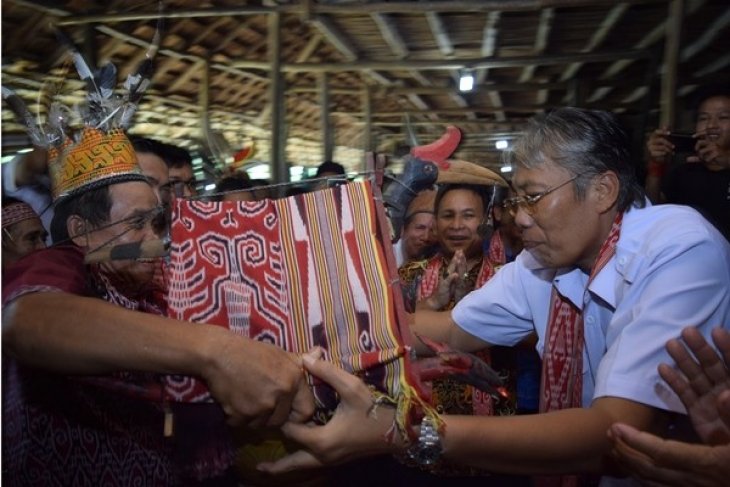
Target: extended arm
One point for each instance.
(64, 333)
(567, 441)
(438, 326)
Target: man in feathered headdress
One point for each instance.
(84, 399)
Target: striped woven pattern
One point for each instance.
(296, 272)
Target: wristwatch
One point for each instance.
(428, 449)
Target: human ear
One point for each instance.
(77, 230)
(605, 189)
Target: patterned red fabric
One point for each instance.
(60, 430)
(562, 368)
(297, 272)
(561, 386)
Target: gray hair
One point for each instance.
(586, 143)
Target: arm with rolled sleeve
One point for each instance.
(508, 307)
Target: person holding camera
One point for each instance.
(704, 182)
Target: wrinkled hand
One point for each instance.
(256, 384)
(658, 144)
(354, 431)
(655, 461)
(704, 384)
(709, 151)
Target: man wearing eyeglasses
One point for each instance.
(182, 179)
(87, 352)
(605, 280)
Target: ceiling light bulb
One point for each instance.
(466, 80)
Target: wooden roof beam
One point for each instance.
(462, 111)
(336, 37)
(175, 54)
(390, 34)
(337, 8)
(541, 41)
(489, 43)
(165, 64)
(434, 90)
(654, 36)
(717, 65)
(443, 41)
(475, 63)
(614, 15)
(709, 34)
(489, 50)
(414, 97)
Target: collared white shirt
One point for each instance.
(671, 270)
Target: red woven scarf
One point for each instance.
(562, 364)
(561, 386)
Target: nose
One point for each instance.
(457, 222)
(710, 122)
(40, 243)
(521, 218)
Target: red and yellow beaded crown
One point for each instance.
(97, 159)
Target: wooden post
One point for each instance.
(279, 169)
(671, 57)
(324, 102)
(367, 103)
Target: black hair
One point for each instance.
(233, 183)
(484, 193)
(93, 205)
(709, 91)
(150, 146)
(329, 166)
(177, 156)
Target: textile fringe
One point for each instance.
(409, 409)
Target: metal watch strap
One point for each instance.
(428, 449)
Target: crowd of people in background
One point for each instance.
(572, 261)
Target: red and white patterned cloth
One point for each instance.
(297, 272)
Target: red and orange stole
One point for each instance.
(296, 272)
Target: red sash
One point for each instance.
(561, 386)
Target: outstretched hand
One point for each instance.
(357, 428)
(656, 461)
(703, 384)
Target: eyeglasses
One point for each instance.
(529, 203)
(177, 187)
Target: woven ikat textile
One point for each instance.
(296, 272)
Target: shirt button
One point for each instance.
(589, 319)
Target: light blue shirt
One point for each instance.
(671, 270)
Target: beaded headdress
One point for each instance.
(99, 153)
(16, 212)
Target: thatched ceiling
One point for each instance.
(381, 62)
